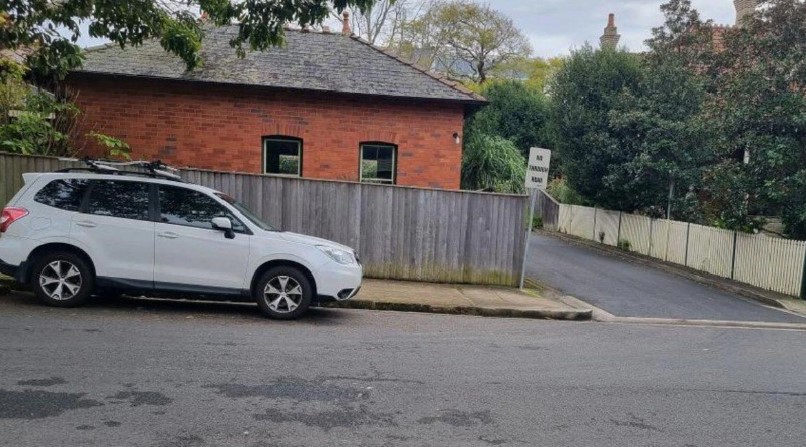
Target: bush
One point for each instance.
(537, 222)
(624, 244)
(515, 112)
(562, 192)
(33, 121)
(492, 163)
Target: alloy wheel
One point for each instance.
(60, 280)
(283, 294)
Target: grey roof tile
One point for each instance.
(308, 60)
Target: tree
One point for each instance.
(464, 39)
(381, 23)
(534, 72)
(759, 109)
(515, 112)
(51, 28)
(492, 163)
(584, 91)
(658, 122)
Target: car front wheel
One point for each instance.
(283, 293)
(62, 279)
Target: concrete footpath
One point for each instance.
(485, 301)
(462, 299)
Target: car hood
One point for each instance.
(310, 240)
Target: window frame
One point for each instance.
(83, 194)
(226, 206)
(361, 162)
(283, 139)
(93, 182)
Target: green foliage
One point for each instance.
(759, 109)
(13, 91)
(492, 163)
(537, 222)
(584, 91)
(534, 72)
(51, 28)
(30, 119)
(463, 38)
(515, 112)
(624, 244)
(113, 147)
(559, 189)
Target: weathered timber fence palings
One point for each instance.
(769, 263)
(548, 209)
(400, 232)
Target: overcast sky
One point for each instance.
(556, 26)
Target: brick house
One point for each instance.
(325, 105)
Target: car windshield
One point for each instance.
(246, 212)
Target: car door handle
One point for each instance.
(86, 224)
(168, 235)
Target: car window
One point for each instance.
(65, 194)
(182, 206)
(116, 198)
(246, 212)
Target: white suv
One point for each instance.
(73, 234)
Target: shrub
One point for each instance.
(562, 192)
(492, 163)
(537, 222)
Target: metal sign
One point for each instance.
(537, 177)
(537, 174)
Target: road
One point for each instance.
(146, 373)
(630, 289)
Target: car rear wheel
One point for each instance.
(62, 279)
(283, 293)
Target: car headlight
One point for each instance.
(341, 256)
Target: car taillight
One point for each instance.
(11, 215)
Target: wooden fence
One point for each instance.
(399, 232)
(548, 209)
(769, 263)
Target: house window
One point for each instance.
(378, 163)
(282, 155)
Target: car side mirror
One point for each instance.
(225, 225)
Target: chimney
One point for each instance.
(346, 30)
(611, 36)
(744, 9)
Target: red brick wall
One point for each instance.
(221, 127)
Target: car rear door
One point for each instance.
(116, 229)
(189, 254)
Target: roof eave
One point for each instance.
(477, 100)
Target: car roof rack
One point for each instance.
(153, 169)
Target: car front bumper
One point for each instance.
(337, 281)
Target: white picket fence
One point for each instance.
(769, 263)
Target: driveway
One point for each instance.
(630, 289)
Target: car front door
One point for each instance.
(115, 228)
(189, 254)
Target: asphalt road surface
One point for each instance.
(629, 289)
(140, 373)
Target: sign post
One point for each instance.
(537, 176)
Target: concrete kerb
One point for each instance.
(539, 314)
(764, 297)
